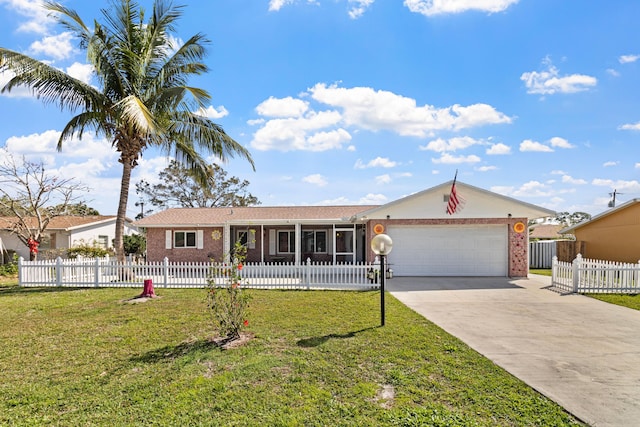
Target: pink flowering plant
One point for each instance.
(226, 298)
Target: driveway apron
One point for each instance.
(582, 353)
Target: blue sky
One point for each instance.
(365, 101)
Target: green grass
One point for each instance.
(85, 357)
(630, 301)
(541, 271)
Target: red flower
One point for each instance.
(240, 266)
(246, 323)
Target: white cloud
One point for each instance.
(549, 82)
(360, 8)
(632, 186)
(458, 143)
(275, 5)
(637, 166)
(383, 179)
(369, 199)
(315, 179)
(16, 92)
(448, 159)
(44, 145)
(282, 107)
(529, 145)
(570, 180)
(57, 47)
(498, 149)
(213, 113)
(38, 20)
(486, 168)
(630, 126)
(437, 7)
(528, 189)
(374, 110)
(624, 59)
(556, 141)
(378, 162)
(82, 72)
(293, 133)
(612, 72)
(610, 163)
(291, 123)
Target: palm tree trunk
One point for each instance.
(122, 208)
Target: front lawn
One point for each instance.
(630, 301)
(86, 357)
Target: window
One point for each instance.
(314, 241)
(286, 242)
(103, 242)
(184, 239)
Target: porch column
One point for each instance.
(262, 243)
(226, 238)
(298, 239)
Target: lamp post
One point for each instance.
(381, 244)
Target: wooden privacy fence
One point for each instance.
(101, 272)
(595, 276)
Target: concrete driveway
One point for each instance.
(582, 353)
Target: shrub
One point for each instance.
(227, 301)
(11, 268)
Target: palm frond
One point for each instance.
(48, 83)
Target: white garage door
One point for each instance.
(449, 250)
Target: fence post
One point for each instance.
(166, 271)
(554, 273)
(96, 273)
(20, 277)
(576, 264)
(59, 271)
(308, 273)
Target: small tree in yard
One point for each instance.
(31, 197)
(227, 301)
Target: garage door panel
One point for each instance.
(449, 251)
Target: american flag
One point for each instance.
(456, 202)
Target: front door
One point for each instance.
(345, 242)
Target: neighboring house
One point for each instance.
(546, 232)
(613, 235)
(64, 232)
(486, 238)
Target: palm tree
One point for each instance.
(143, 99)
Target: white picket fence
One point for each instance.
(595, 276)
(100, 272)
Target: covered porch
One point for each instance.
(298, 241)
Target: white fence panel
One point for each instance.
(110, 273)
(596, 276)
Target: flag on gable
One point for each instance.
(456, 201)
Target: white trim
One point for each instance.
(168, 239)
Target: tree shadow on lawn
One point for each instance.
(316, 341)
(17, 289)
(171, 352)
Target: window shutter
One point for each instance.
(167, 240)
(199, 239)
(330, 236)
(272, 242)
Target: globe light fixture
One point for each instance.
(381, 245)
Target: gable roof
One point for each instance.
(64, 223)
(478, 203)
(546, 231)
(176, 217)
(600, 216)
